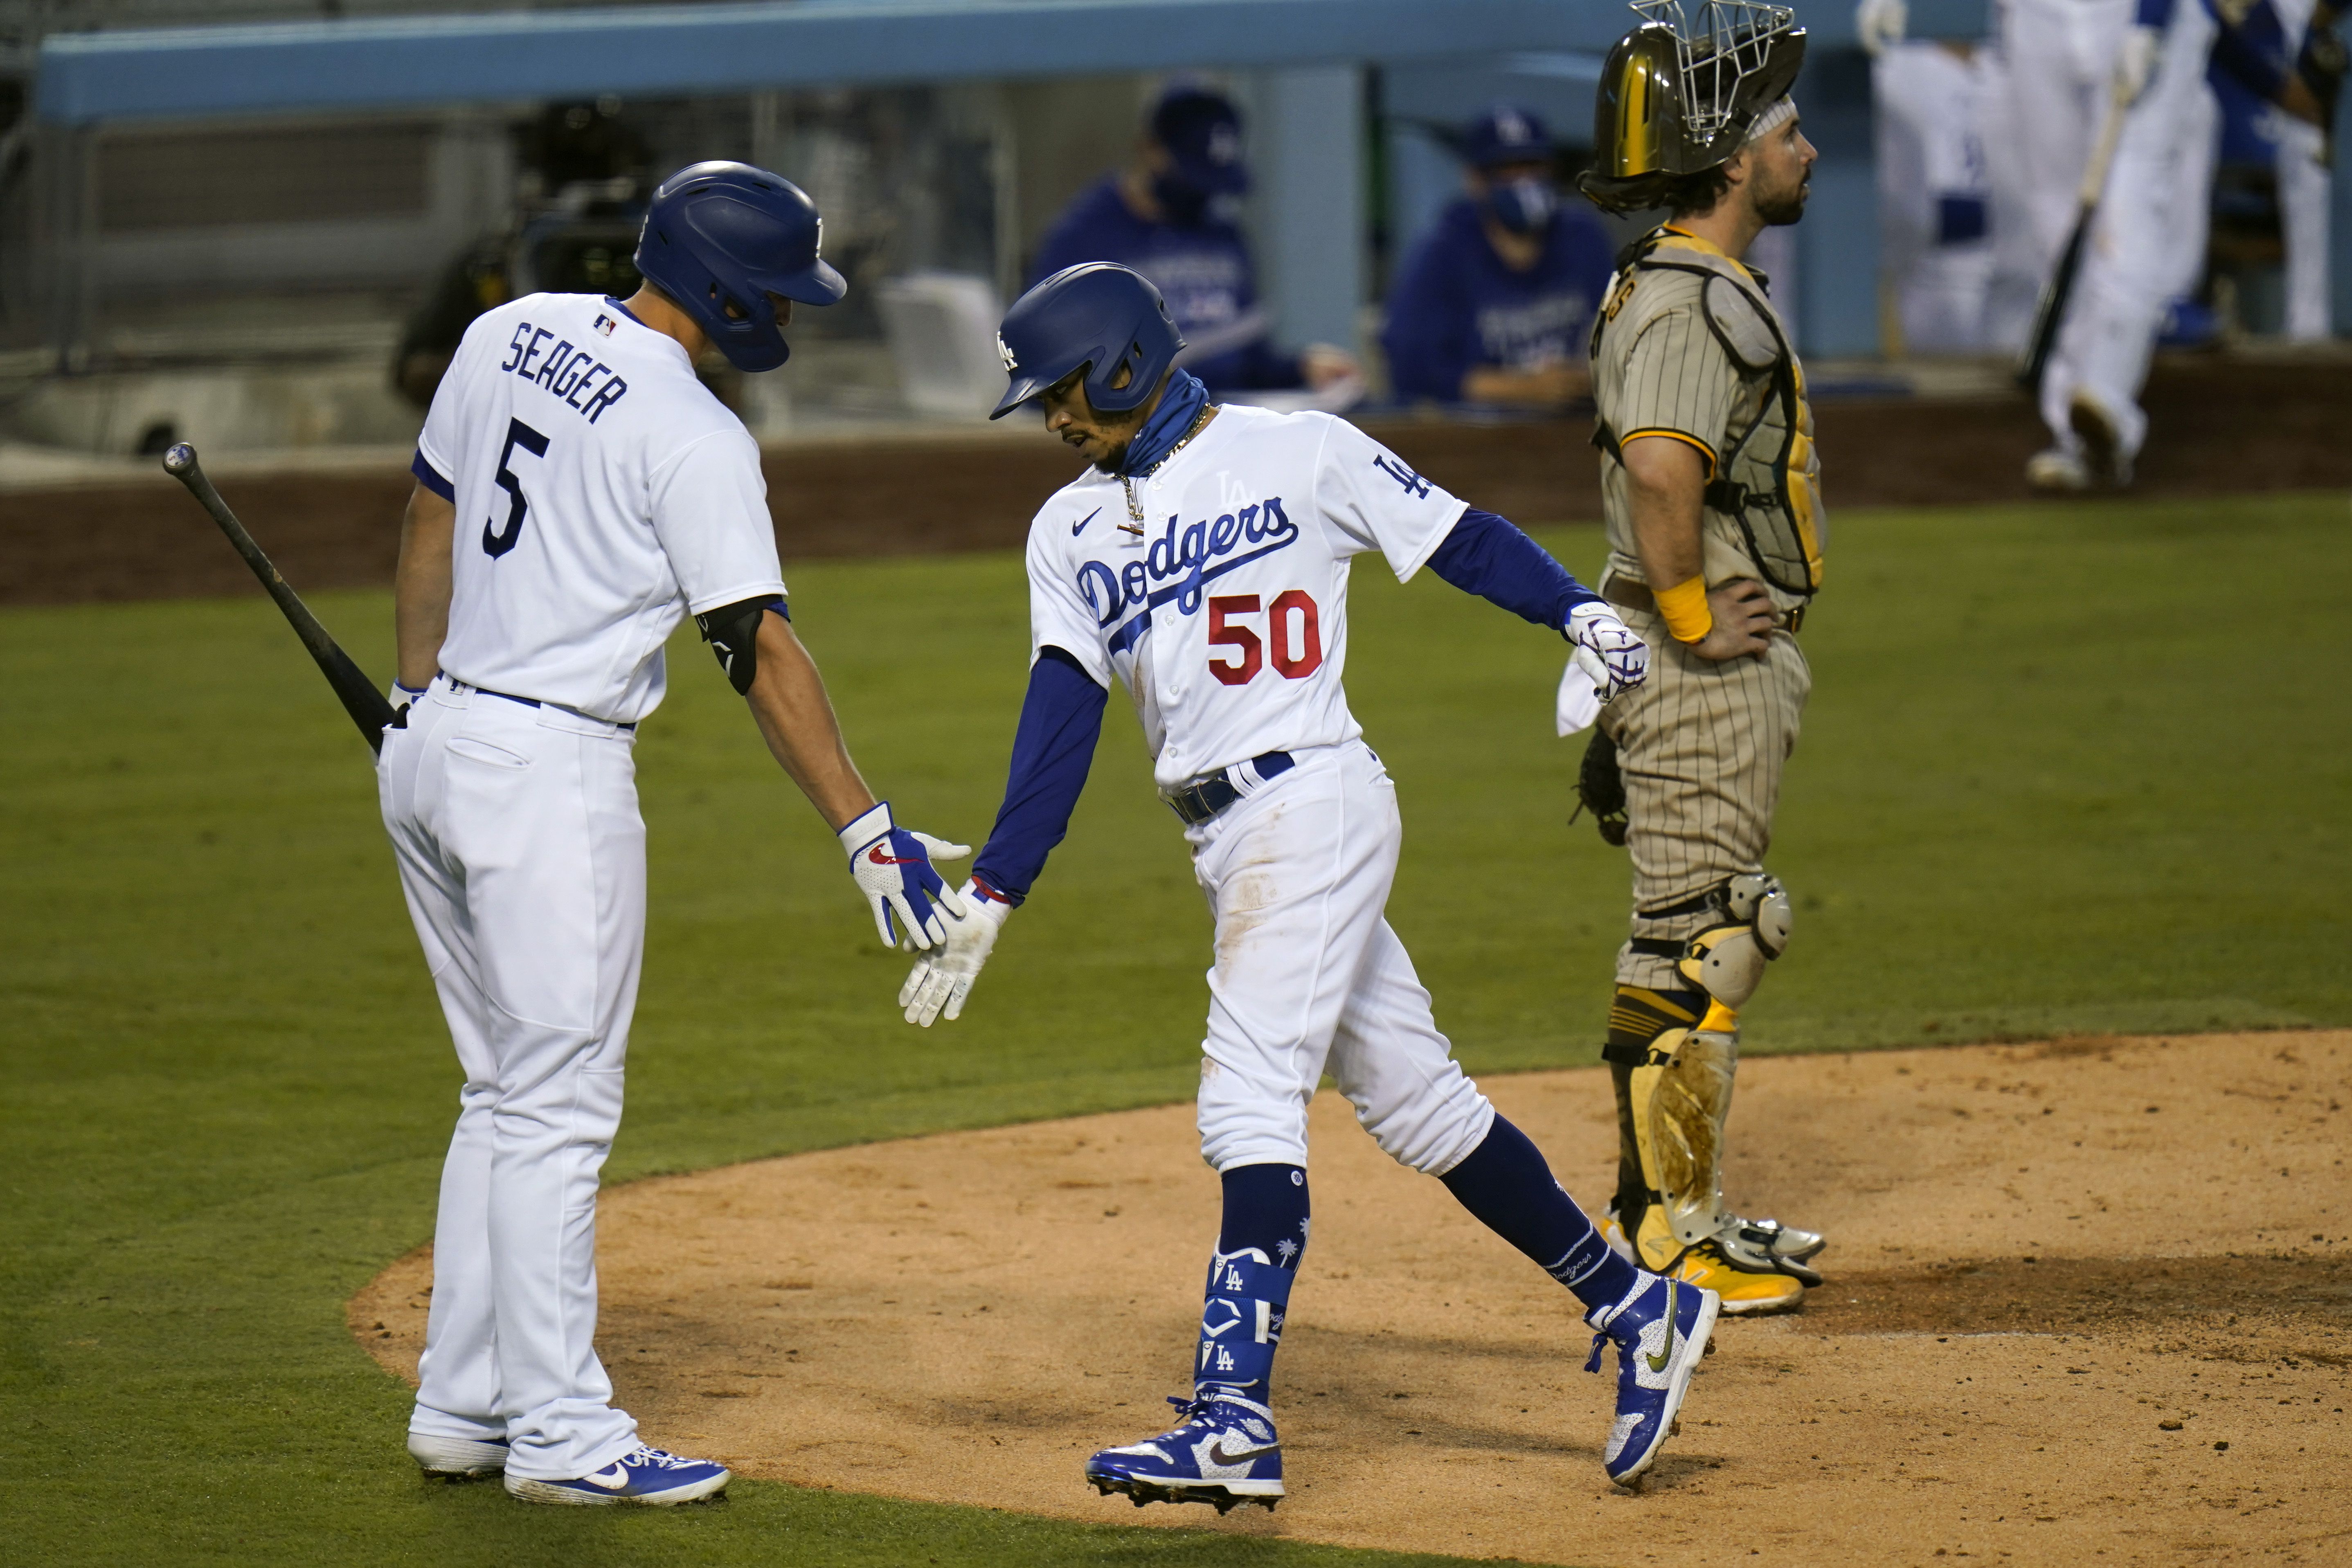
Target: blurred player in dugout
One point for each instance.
(1164, 216)
(580, 201)
(1710, 488)
(1493, 304)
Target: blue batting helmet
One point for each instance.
(1098, 315)
(719, 238)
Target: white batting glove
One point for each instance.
(1624, 659)
(892, 868)
(2136, 62)
(1879, 23)
(943, 978)
(402, 696)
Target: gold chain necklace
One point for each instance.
(1126, 482)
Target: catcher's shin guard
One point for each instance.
(1672, 1108)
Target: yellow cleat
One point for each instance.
(1744, 1294)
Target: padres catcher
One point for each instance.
(1710, 488)
(577, 492)
(1202, 561)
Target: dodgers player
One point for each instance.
(578, 491)
(1202, 561)
(2147, 244)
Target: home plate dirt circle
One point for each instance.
(2087, 1300)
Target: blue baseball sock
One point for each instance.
(1259, 1247)
(1507, 1185)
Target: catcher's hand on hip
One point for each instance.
(1620, 661)
(942, 978)
(892, 868)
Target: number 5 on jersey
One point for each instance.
(495, 540)
(1293, 629)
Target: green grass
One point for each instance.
(2065, 770)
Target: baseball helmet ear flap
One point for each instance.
(1098, 318)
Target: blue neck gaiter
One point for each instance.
(1178, 406)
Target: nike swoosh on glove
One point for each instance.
(1623, 659)
(892, 866)
(943, 978)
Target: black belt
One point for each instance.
(1199, 801)
(535, 703)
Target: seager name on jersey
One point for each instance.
(568, 372)
(1143, 584)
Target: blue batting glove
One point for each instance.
(892, 866)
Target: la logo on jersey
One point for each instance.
(1177, 564)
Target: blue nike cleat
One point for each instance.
(648, 1476)
(457, 1459)
(1224, 1453)
(1661, 1330)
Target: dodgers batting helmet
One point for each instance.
(719, 238)
(1098, 315)
(1678, 98)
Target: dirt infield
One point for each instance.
(2088, 1300)
(2222, 427)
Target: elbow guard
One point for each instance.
(733, 633)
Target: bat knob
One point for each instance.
(179, 460)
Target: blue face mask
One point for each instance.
(1523, 205)
(1184, 202)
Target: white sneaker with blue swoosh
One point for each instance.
(1661, 1330)
(648, 1476)
(1224, 1453)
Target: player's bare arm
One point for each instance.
(420, 590)
(1666, 481)
(795, 716)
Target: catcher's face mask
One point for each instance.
(1679, 98)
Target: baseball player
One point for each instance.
(577, 492)
(1203, 561)
(1711, 490)
(1163, 216)
(1935, 241)
(1493, 303)
(2147, 244)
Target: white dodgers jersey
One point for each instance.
(602, 493)
(1225, 612)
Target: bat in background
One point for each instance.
(2050, 313)
(361, 698)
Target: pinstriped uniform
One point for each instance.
(1702, 744)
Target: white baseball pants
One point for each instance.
(2147, 245)
(2056, 70)
(523, 858)
(1309, 976)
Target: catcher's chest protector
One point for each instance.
(1766, 479)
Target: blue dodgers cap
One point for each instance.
(1203, 131)
(1506, 135)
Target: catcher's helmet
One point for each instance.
(1097, 314)
(718, 238)
(1675, 101)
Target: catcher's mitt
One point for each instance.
(1600, 789)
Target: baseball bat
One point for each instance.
(2049, 314)
(361, 698)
